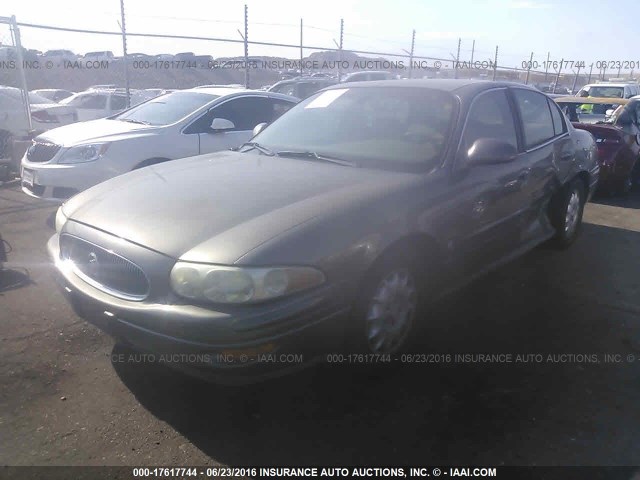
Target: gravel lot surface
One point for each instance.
(64, 402)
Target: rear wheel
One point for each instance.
(635, 175)
(5, 144)
(566, 215)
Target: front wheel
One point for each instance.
(387, 309)
(567, 209)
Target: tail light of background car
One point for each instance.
(607, 146)
(43, 116)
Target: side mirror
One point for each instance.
(222, 124)
(259, 127)
(489, 151)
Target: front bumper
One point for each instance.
(235, 345)
(57, 182)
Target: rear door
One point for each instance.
(548, 151)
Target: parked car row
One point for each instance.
(615, 125)
(65, 161)
(332, 227)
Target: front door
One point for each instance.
(491, 199)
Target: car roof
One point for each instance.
(305, 80)
(371, 71)
(607, 84)
(221, 91)
(461, 87)
(592, 100)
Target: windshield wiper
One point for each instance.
(131, 120)
(256, 146)
(314, 156)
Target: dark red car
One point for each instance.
(615, 124)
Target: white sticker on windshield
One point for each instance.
(326, 98)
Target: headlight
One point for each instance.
(223, 284)
(84, 153)
(61, 219)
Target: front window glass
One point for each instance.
(167, 109)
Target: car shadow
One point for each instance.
(452, 403)
(630, 200)
(51, 220)
(13, 279)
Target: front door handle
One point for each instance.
(520, 180)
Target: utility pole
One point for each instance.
(495, 64)
(413, 44)
(301, 52)
(473, 50)
(575, 80)
(15, 32)
(546, 66)
(246, 46)
(123, 27)
(455, 72)
(526, 82)
(590, 70)
(555, 85)
(339, 45)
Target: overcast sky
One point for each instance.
(574, 30)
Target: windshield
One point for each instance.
(606, 92)
(401, 129)
(167, 109)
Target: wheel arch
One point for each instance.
(423, 246)
(150, 161)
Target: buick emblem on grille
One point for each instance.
(92, 265)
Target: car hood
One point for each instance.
(217, 207)
(54, 108)
(94, 130)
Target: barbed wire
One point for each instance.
(444, 60)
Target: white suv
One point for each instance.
(609, 90)
(67, 160)
(94, 104)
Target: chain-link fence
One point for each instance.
(257, 62)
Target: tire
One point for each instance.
(635, 175)
(386, 310)
(566, 213)
(5, 144)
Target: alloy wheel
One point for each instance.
(391, 311)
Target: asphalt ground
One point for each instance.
(570, 398)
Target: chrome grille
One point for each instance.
(42, 152)
(103, 269)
